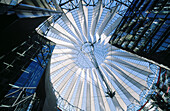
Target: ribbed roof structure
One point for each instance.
(84, 66)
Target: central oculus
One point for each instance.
(87, 47)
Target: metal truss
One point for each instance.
(21, 96)
(157, 98)
(64, 104)
(108, 4)
(44, 27)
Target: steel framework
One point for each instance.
(108, 4)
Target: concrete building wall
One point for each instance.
(50, 101)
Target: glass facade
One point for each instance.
(144, 30)
(32, 74)
(30, 63)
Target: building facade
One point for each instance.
(144, 30)
(25, 53)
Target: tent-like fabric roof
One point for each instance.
(82, 54)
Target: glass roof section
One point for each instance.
(86, 71)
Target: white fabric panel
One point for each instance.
(63, 51)
(63, 33)
(91, 92)
(99, 97)
(86, 17)
(112, 26)
(79, 95)
(141, 67)
(103, 37)
(70, 90)
(121, 103)
(116, 103)
(107, 40)
(61, 58)
(83, 14)
(62, 43)
(106, 20)
(108, 45)
(138, 82)
(123, 54)
(88, 96)
(69, 20)
(132, 66)
(110, 29)
(67, 68)
(131, 94)
(76, 99)
(112, 48)
(103, 103)
(97, 11)
(63, 84)
(69, 61)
